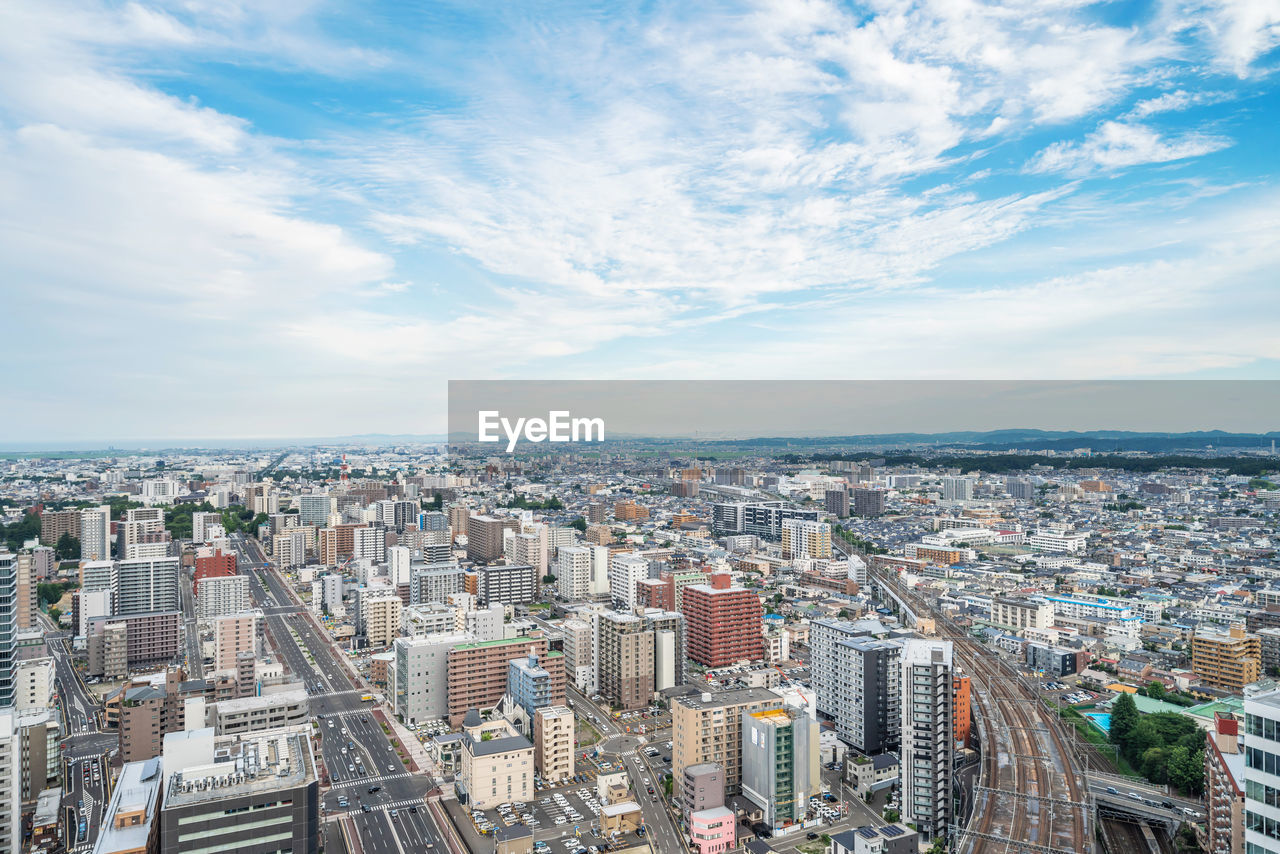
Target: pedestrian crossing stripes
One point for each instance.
(369, 781)
(394, 805)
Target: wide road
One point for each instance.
(190, 630)
(347, 725)
(84, 748)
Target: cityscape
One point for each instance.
(644, 646)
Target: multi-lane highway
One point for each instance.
(85, 750)
(348, 728)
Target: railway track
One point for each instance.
(1031, 798)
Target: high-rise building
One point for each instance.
(478, 672)
(780, 767)
(151, 638)
(485, 536)
(55, 523)
(1229, 660)
(398, 514)
(399, 565)
(625, 571)
(868, 502)
(957, 489)
(434, 582)
(670, 647)
(837, 501)
(146, 585)
(253, 794)
(528, 684)
(216, 565)
(10, 782)
(95, 533)
(624, 663)
(573, 573)
(763, 519)
(856, 684)
(1224, 786)
(369, 543)
(314, 509)
(234, 634)
(1020, 488)
(725, 623)
(802, 538)
(202, 523)
(222, 595)
(707, 728)
(8, 625)
(928, 735)
(381, 617)
(507, 583)
(418, 678)
(1261, 770)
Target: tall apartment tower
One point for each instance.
(10, 782)
(485, 536)
(1261, 768)
(314, 509)
(725, 623)
(625, 663)
(625, 571)
(868, 502)
(928, 735)
(8, 626)
(146, 585)
(95, 533)
(803, 538)
(957, 489)
(573, 573)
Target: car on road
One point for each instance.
(373, 790)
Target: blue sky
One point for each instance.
(229, 218)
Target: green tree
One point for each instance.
(50, 592)
(55, 614)
(67, 548)
(548, 579)
(579, 523)
(1186, 769)
(1156, 690)
(1155, 764)
(1124, 718)
(1142, 738)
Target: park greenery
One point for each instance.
(1166, 746)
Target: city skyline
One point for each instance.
(287, 209)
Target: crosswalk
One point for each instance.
(394, 805)
(369, 781)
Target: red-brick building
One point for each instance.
(217, 565)
(724, 622)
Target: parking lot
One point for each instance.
(563, 821)
(1067, 694)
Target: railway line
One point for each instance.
(1031, 797)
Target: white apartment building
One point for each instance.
(805, 539)
(95, 533)
(928, 735)
(201, 522)
(10, 783)
(33, 684)
(1059, 542)
(399, 565)
(381, 618)
(219, 596)
(573, 573)
(370, 543)
(625, 570)
(1017, 613)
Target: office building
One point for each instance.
(625, 571)
(33, 684)
(244, 715)
(507, 583)
(707, 728)
(624, 665)
(254, 794)
(805, 539)
(222, 595)
(146, 585)
(780, 766)
(95, 533)
(928, 735)
(418, 678)
(724, 623)
(485, 536)
(205, 525)
(1229, 660)
(396, 514)
(553, 740)
(478, 672)
(670, 647)
(130, 821)
(497, 763)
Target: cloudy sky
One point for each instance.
(230, 219)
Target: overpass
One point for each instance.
(1132, 800)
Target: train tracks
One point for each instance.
(1031, 798)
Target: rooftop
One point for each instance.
(728, 698)
(245, 765)
(136, 791)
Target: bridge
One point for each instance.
(1127, 799)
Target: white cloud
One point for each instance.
(1117, 145)
(1174, 102)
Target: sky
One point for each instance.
(223, 218)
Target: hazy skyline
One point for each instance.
(228, 219)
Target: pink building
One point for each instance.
(711, 830)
